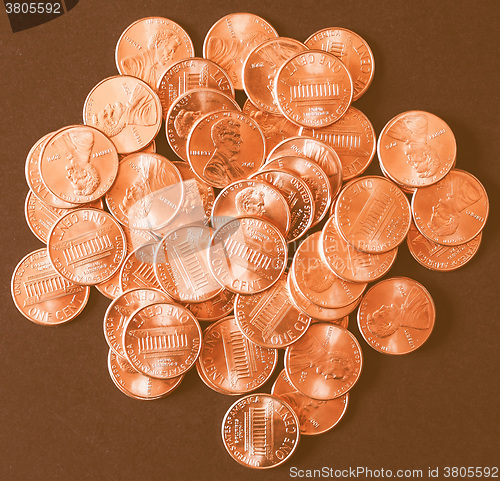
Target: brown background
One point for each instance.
(62, 418)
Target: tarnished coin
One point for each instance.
(120, 310)
(317, 282)
(315, 417)
(262, 65)
(453, 211)
(148, 47)
(325, 363)
(42, 295)
(233, 363)
(187, 109)
(78, 164)
(353, 139)
(298, 197)
(373, 214)
(416, 149)
(269, 318)
(162, 340)
(232, 38)
(438, 257)
(224, 147)
(181, 264)
(251, 198)
(148, 192)
(86, 246)
(396, 315)
(275, 128)
(313, 89)
(352, 50)
(190, 74)
(214, 309)
(135, 384)
(138, 269)
(349, 263)
(248, 255)
(260, 431)
(314, 176)
(126, 109)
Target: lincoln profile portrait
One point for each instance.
(250, 201)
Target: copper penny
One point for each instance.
(396, 316)
(269, 318)
(148, 192)
(313, 175)
(232, 38)
(120, 310)
(438, 257)
(298, 197)
(187, 109)
(373, 214)
(208, 382)
(352, 50)
(224, 147)
(162, 340)
(275, 128)
(347, 262)
(325, 363)
(342, 322)
(313, 89)
(42, 295)
(248, 255)
(135, 384)
(190, 74)
(126, 109)
(148, 47)
(233, 363)
(78, 164)
(317, 282)
(214, 309)
(110, 288)
(149, 149)
(86, 246)
(315, 417)
(353, 139)
(136, 238)
(260, 431)
(181, 264)
(417, 149)
(452, 211)
(251, 198)
(261, 67)
(138, 269)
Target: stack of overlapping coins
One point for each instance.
(194, 239)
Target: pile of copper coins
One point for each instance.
(263, 230)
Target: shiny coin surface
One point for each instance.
(86, 246)
(396, 315)
(438, 257)
(187, 109)
(232, 38)
(126, 109)
(42, 295)
(353, 139)
(248, 255)
(138, 271)
(162, 340)
(233, 363)
(148, 47)
(262, 65)
(110, 288)
(343, 322)
(224, 147)
(313, 89)
(325, 363)
(135, 384)
(417, 149)
(453, 211)
(215, 308)
(269, 318)
(352, 50)
(373, 214)
(260, 431)
(136, 238)
(78, 164)
(315, 417)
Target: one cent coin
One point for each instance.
(110, 288)
(214, 309)
(138, 271)
(396, 316)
